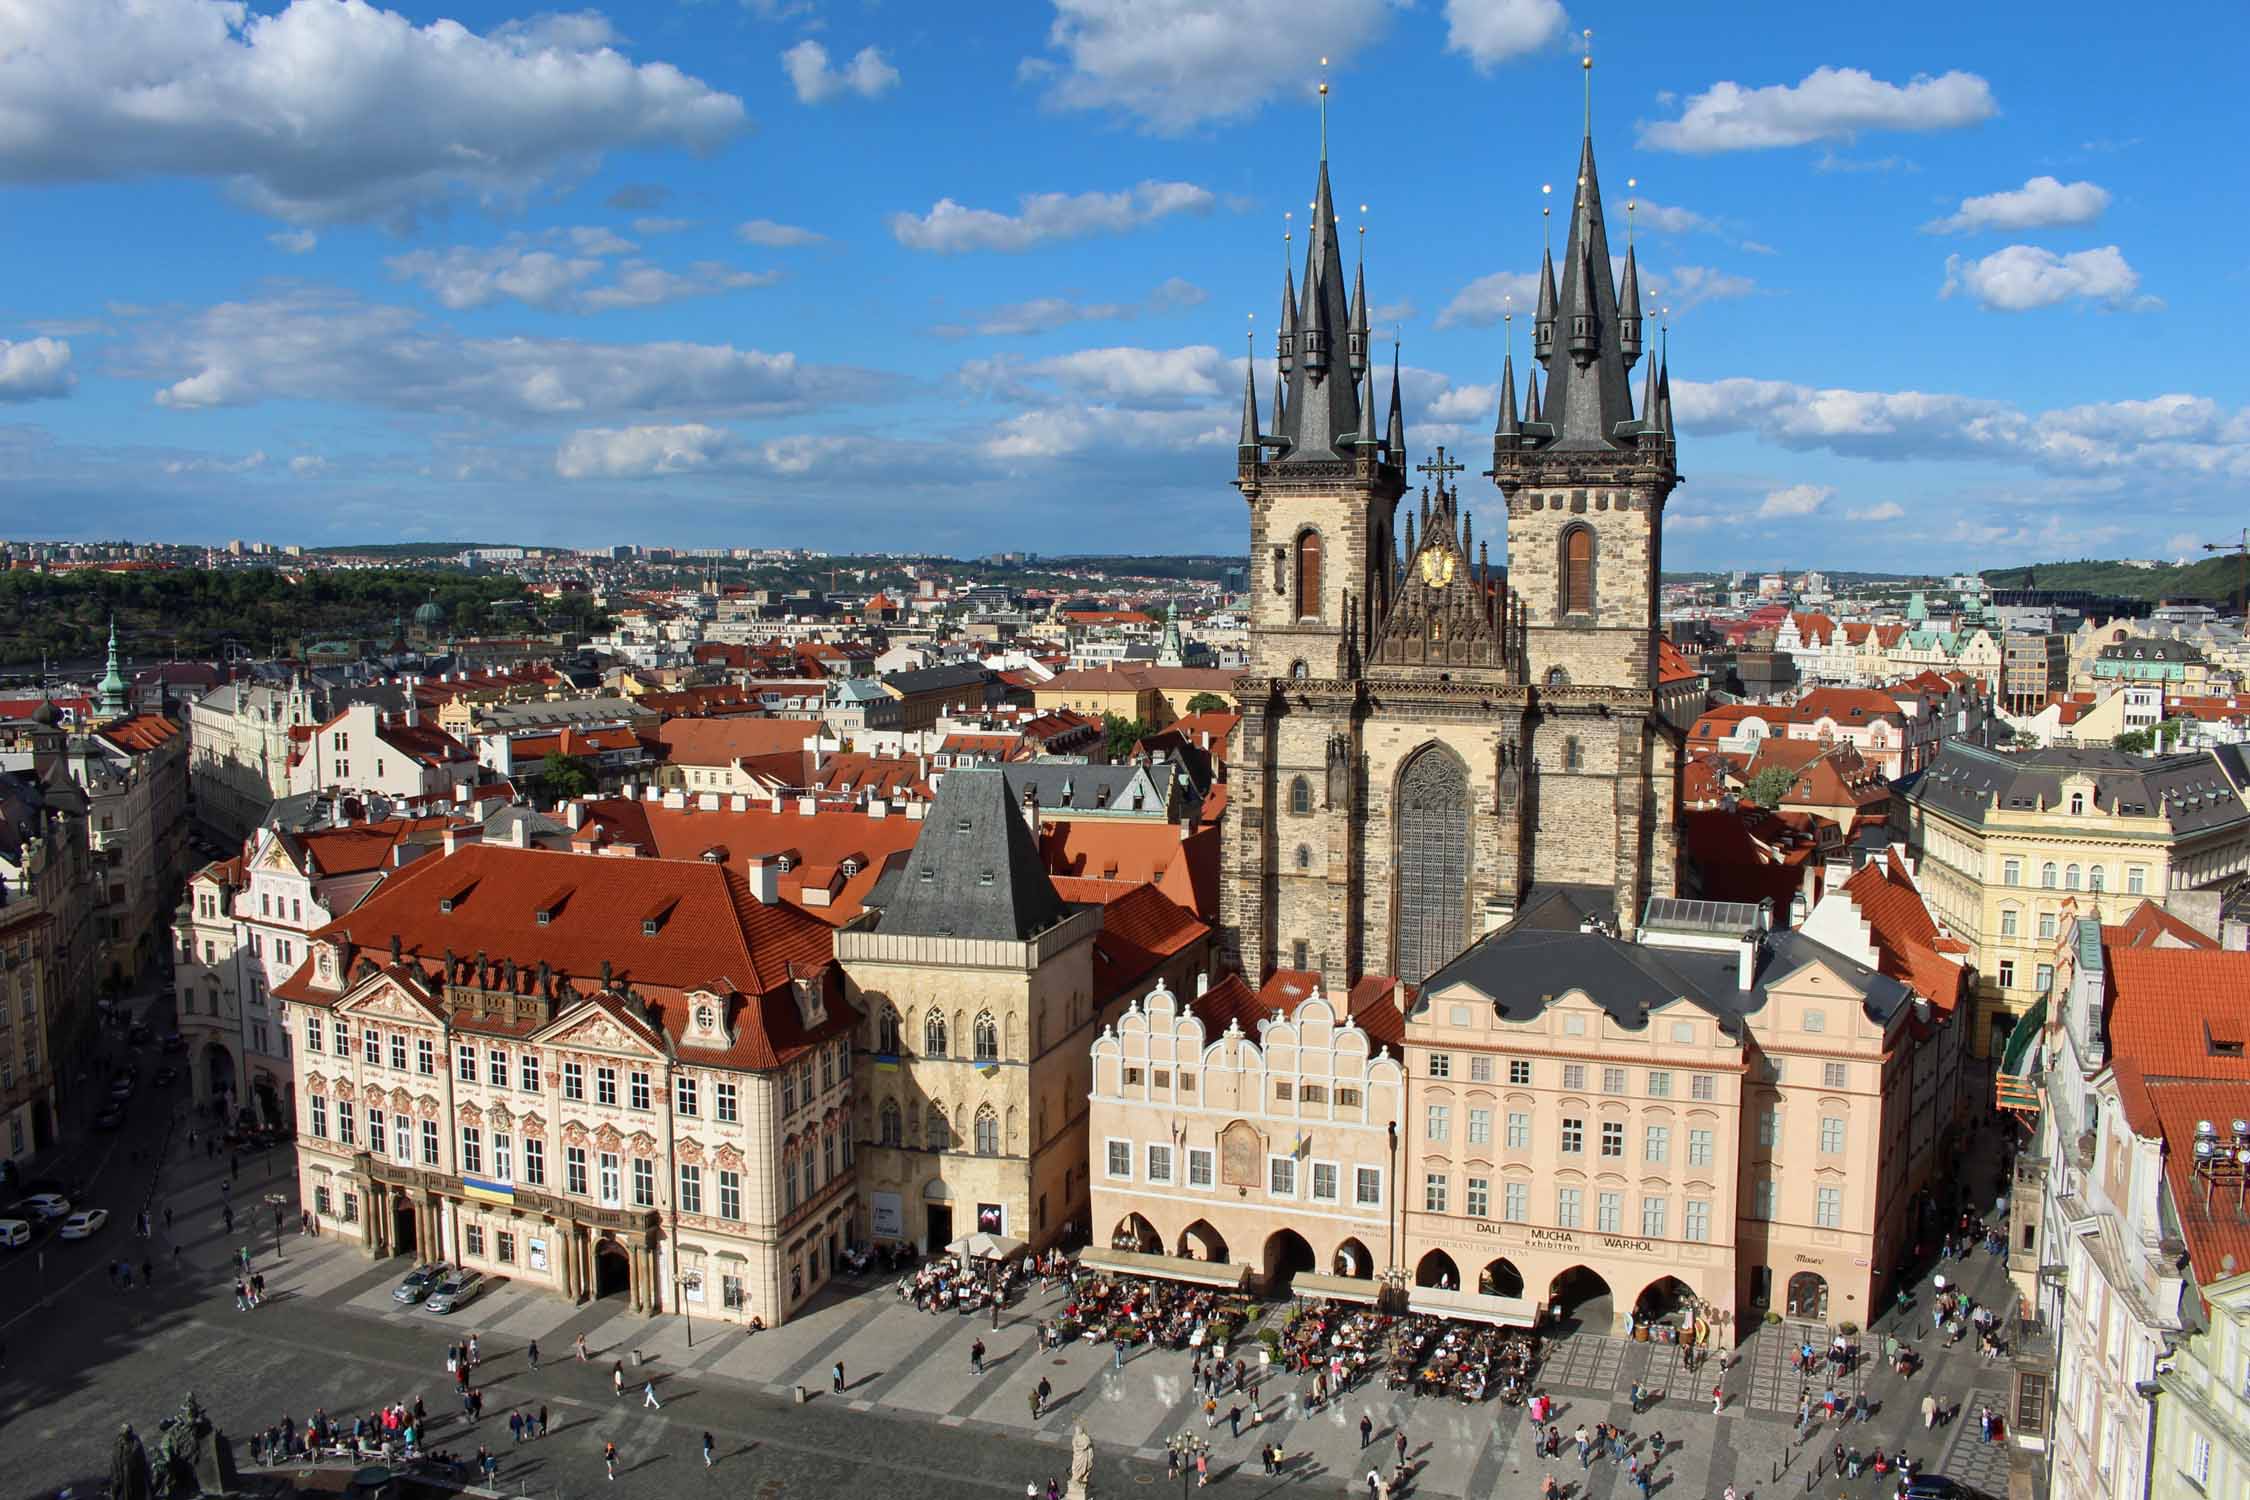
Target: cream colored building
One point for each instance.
(594, 1076)
(982, 991)
(2002, 840)
(1694, 1123)
(2203, 1415)
(1241, 1135)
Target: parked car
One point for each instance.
(111, 1118)
(457, 1291)
(84, 1223)
(45, 1206)
(1938, 1487)
(14, 1233)
(419, 1283)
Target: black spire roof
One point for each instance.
(1321, 412)
(1587, 395)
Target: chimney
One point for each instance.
(1202, 982)
(1746, 962)
(457, 836)
(764, 872)
(574, 813)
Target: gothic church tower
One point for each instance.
(1427, 740)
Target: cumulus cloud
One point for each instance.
(308, 466)
(950, 229)
(248, 463)
(2176, 432)
(1178, 64)
(2023, 277)
(640, 452)
(321, 112)
(306, 344)
(1484, 301)
(1883, 510)
(2041, 203)
(868, 75)
(1796, 500)
(1665, 218)
(293, 241)
(1042, 314)
(776, 236)
(35, 369)
(1829, 104)
(1124, 374)
(1488, 32)
(466, 276)
(1686, 286)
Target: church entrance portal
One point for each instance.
(613, 1270)
(941, 1226)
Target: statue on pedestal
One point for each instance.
(192, 1457)
(1081, 1465)
(128, 1467)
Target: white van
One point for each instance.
(14, 1233)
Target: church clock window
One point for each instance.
(1578, 571)
(1308, 575)
(1300, 796)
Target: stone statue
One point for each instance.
(128, 1467)
(1081, 1465)
(192, 1457)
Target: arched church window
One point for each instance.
(985, 1035)
(1573, 757)
(886, 1032)
(933, 1035)
(890, 1135)
(1304, 856)
(1300, 796)
(1557, 677)
(1308, 575)
(988, 1131)
(1432, 841)
(939, 1135)
(1298, 671)
(1578, 571)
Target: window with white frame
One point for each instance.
(398, 1051)
(1324, 1185)
(1573, 1136)
(503, 1156)
(1659, 1084)
(378, 1132)
(1441, 1065)
(1367, 1187)
(1831, 1135)
(465, 1063)
(1519, 1071)
(527, 1072)
(725, 1103)
(429, 1143)
(1696, 1225)
(1654, 1213)
(313, 1038)
(605, 1086)
(1519, 1130)
(1159, 1163)
(1828, 1207)
(574, 1170)
(1281, 1176)
(425, 1057)
(472, 1149)
(1609, 1212)
(347, 1123)
(1437, 1121)
(1515, 1201)
(1761, 1198)
(534, 1161)
(496, 1067)
(319, 1113)
(1480, 1127)
(1121, 1160)
(1613, 1138)
(1433, 1192)
(1570, 1207)
(1574, 1076)
(684, 1100)
(730, 1194)
(1199, 1167)
(1834, 1075)
(644, 1182)
(1476, 1198)
(343, 1038)
(1699, 1148)
(1657, 1148)
(691, 1188)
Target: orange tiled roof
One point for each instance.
(2213, 1218)
(1905, 936)
(354, 849)
(1186, 869)
(1671, 665)
(722, 742)
(140, 733)
(2175, 1013)
(2149, 925)
(819, 844)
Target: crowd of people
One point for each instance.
(1135, 1310)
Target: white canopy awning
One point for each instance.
(983, 1246)
(1337, 1288)
(1217, 1273)
(1475, 1307)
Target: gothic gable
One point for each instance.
(1446, 606)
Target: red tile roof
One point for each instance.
(425, 742)
(818, 843)
(359, 847)
(1671, 665)
(2214, 1218)
(140, 733)
(722, 742)
(2175, 1013)
(1186, 869)
(1140, 929)
(1906, 937)
(2150, 925)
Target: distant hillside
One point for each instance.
(406, 550)
(2213, 578)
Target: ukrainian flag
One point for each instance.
(1304, 1145)
(485, 1191)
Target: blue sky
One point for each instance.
(1957, 289)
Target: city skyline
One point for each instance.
(741, 273)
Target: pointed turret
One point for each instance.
(1507, 432)
(1664, 397)
(1280, 384)
(1288, 335)
(1629, 311)
(1394, 438)
(1370, 437)
(1531, 398)
(1587, 396)
(111, 701)
(1543, 318)
(1247, 448)
(1321, 416)
(1648, 396)
(1360, 360)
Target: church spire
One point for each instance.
(1531, 412)
(1359, 351)
(1286, 340)
(1395, 438)
(1587, 395)
(1321, 415)
(1507, 431)
(1247, 448)
(1629, 311)
(111, 702)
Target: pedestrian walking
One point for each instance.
(609, 1460)
(1929, 1412)
(533, 1351)
(542, 1419)
(1366, 1428)
(707, 1448)
(515, 1425)
(976, 1357)
(617, 1378)
(476, 1357)
(1400, 1442)
(1117, 1351)
(836, 1377)
(648, 1395)
(1718, 1400)
(1374, 1483)
(580, 1345)
(1044, 1391)
(1202, 1468)
(1234, 1418)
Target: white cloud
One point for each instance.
(866, 75)
(293, 241)
(595, 239)
(1493, 31)
(1830, 104)
(308, 466)
(2041, 203)
(1684, 287)
(249, 463)
(1796, 500)
(1042, 314)
(1053, 432)
(1176, 64)
(1485, 300)
(2023, 277)
(1883, 510)
(1141, 377)
(1461, 403)
(35, 369)
(1665, 218)
(640, 452)
(320, 112)
(2183, 434)
(776, 236)
(305, 344)
(466, 276)
(950, 229)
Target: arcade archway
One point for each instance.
(1137, 1234)
(1352, 1259)
(1199, 1241)
(1438, 1270)
(1662, 1299)
(1286, 1255)
(1500, 1279)
(613, 1270)
(1580, 1299)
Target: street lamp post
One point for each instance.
(1185, 1447)
(688, 1281)
(276, 1200)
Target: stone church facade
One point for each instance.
(1426, 738)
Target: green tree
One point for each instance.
(1769, 786)
(565, 775)
(1207, 703)
(1123, 734)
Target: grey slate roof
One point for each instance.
(1065, 786)
(2194, 791)
(949, 678)
(1521, 970)
(974, 871)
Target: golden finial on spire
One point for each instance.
(1324, 109)
(1630, 205)
(1586, 66)
(1508, 321)
(1546, 215)
(1363, 234)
